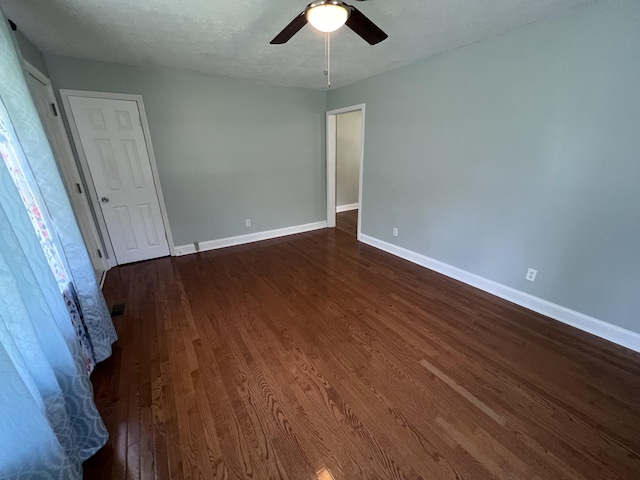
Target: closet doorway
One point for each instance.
(345, 141)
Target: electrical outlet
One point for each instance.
(395, 231)
(531, 275)
(248, 222)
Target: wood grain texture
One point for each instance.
(347, 221)
(314, 356)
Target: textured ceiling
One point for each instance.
(231, 37)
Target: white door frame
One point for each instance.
(331, 144)
(69, 170)
(65, 94)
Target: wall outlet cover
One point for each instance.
(531, 275)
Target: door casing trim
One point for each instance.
(69, 169)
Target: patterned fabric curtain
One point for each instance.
(18, 168)
(48, 295)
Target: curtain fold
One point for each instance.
(43, 365)
(48, 420)
(45, 172)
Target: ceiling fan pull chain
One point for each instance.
(326, 56)
(326, 71)
(328, 60)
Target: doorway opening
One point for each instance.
(345, 153)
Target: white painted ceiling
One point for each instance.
(231, 37)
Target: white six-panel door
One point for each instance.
(112, 138)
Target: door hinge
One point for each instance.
(78, 188)
(54, 110)
(99, 253)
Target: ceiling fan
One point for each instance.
(329, 15)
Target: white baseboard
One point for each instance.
(185, 249)
(346, 208)
(249, 238)
(605, 330)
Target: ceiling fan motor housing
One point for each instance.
(338, 3)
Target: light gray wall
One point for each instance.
(30, 52)
(226, 150)
(518, 151)
(348, 140)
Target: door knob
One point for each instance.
(104, 199)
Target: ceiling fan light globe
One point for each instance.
(327, 17)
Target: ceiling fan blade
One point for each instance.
(364, 27)
(290, 30)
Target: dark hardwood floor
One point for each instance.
(316, 357)
(347, 221)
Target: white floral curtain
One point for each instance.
(18, 167)
(49, 301)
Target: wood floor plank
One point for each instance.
(347, 221)
(315, 356)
